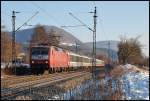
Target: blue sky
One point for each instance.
(115, 18)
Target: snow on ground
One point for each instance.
(128, 66)
(135, 82)
(138, 84)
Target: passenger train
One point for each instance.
(56, 59)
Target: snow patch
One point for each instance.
(138, 84)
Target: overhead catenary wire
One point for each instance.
(45, 12)
(94, 31)
(56, 21)
(38, 7)
(102, 27)
(94, 37)
(73, 26)
(18, 19)
(81, 21)
(93, 2)
(27, 21)
(100, 20)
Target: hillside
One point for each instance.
(104, 44)
(68, 41)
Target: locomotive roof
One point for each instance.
(46, 46)
(40, 46)
(71, 53)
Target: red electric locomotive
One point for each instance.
(54, 59)
(48, 58)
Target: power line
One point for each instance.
(5, 13)
(37, 6)
(27, 21)
(81, 22)
(40, 8)
(72, 26)
(81, 12)
(18, 19)
(94, 3)
(94, 37)
(69, 30)
(102, 27)
(14, 35)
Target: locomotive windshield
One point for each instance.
(39, 51)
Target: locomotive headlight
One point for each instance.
(32, 61)
(46, 61)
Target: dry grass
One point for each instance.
(117, 71)
(73, 82)
(137, 69)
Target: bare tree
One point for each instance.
(129, 50)
(6, 46)
(40, 36)
(52, 38)
(102, 57)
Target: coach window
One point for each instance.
(74, 58)
(86, 60)
(83, 59)
(71, 57)
(80, 59)
(77, 59)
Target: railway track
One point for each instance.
(15, 80)
(17, 88)
(18, 79)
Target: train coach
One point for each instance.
(55, 59)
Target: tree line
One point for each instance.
(43, 37)
(130, 51)
(6, 46)
(39, 37)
